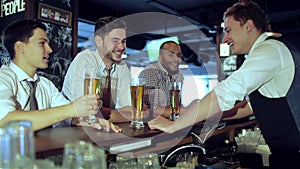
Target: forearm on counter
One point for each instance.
(198, 111)
(240, 110)
(41, 118)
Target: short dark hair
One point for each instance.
(20, 30)
(245, 10)
(106, 24)
(162, 46)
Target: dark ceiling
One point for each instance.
(284, 15)
(205, 15)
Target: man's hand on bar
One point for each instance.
(161, 123)
(102, 124)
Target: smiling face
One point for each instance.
(112, 46)
(236, 35)
(34, 53)
(170, 57)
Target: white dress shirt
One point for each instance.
(269, 68)
(15, 91)
(120, 78)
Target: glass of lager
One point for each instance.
(137, 96)
(92, 85)
(175, 99)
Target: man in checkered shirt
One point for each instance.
(159, 75)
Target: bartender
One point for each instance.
(267, 76)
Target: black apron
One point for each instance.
(279, 121)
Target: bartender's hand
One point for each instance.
(161, 123)
(101, 125)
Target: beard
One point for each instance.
(173, 72)
(109, 56)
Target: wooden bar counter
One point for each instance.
(51, 141)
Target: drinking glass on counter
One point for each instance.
(92, 85)
(113, 165)
(175, 99)
(126, 160)
(44, 164)
(148, 161)
(137, 100)
(23, 152)
(7, 150)
(81, 154)
(185, 165)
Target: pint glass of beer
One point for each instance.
(92, 85)
(91, 80)
(137, 95)
(175, 99)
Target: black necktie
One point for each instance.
(32, 99)
(107, 90)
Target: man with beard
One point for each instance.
(160, 75)
(110, 40)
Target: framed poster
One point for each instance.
(54, 15)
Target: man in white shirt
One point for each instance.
(266, 76)
(110, 39)
(28, 46)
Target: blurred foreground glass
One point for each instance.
(113, 165)
(175, 99)
(21, 133)
(81, 155)
(44, 164)
(148, 161)
(185, 165)
(7, 150)
(126, 161)
(92, 85)
(137, 100)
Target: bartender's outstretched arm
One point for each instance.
(208, 107)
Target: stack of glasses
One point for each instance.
(252, 145)
(248, 140)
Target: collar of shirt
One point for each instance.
(161, 67)
(178, 77)
(260, 39)
(20, 73)
(102, 64)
